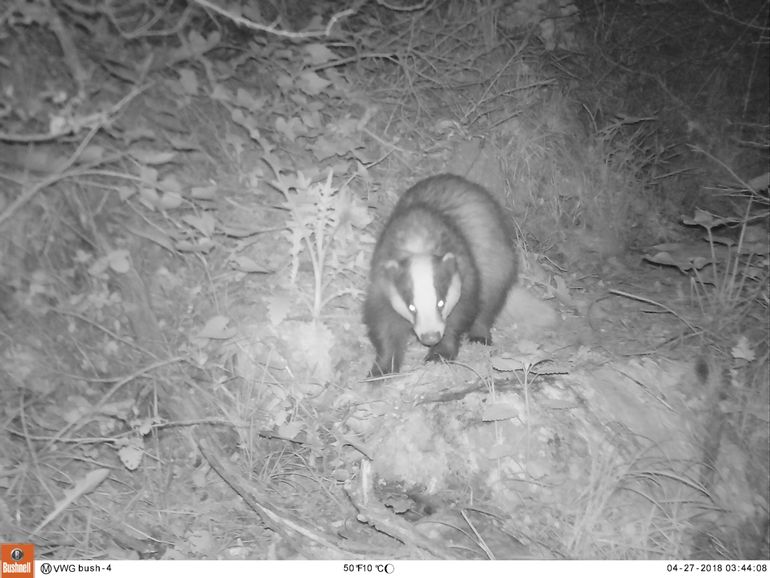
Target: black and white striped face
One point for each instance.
(424, 290)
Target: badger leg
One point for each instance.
(479, 333)
(489, 310)
(447, 348)
(389, 336)
(385, 365)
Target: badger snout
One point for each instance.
(429, 338)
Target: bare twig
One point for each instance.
(287, 525)
(96, 121)
(272, 28)
(99, 120)
(653, 302)
(750, 25)
(371, 511)
(79, 73)
(403, 8)
(95, 407)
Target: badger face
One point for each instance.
(424, 289)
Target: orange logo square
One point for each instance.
(17, 560)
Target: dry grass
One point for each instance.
(162, 364)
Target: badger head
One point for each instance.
(424, 289)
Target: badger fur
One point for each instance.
(442, 267)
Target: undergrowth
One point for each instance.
(192, 193)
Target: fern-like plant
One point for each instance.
(320, 227)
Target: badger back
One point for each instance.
(478, 218)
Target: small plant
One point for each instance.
(737, 273)
(529, 362)
(320, 226)
(729, 277)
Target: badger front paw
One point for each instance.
(446, 349)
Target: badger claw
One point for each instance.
(483, 339)
(442, 351)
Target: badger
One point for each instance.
(442, 267)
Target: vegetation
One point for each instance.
(191, 191)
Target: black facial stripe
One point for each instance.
(402, 281)
(442, 278)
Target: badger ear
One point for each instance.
(449, 260)
(391, 267)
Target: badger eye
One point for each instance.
(440, 304)
(412, 308)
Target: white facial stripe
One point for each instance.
(427, 319)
